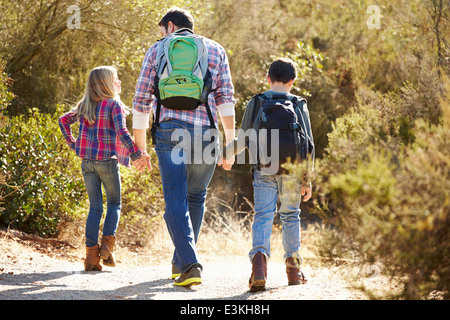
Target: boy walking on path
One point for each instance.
(271, 183)
(185, 97)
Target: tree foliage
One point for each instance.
(49, 59)
(376, 95)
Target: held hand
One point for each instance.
(148, 161)
(226, 164)
(306, 193)
(142, 162)
(139, 164)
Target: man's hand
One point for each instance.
(306, 193)
(226, 164)
(143, 162)
(228, 126)
(140, 139)
(139, 164)
(147, 160)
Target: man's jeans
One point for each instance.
(266, 190)
(96, 173)
(186, 167)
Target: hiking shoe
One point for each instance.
(257, 281)
(175, 272)
(190, 278)
(106, 250)
(294, 274)
(92, 260)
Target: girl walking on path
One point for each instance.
(103, 142)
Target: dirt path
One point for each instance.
(28, 273)
(55, 279)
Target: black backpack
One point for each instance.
(278, 116)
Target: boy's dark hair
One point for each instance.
(179, 17)
(282, 70)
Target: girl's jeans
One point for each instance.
(266, 190)
(186, 164)
(96, 173)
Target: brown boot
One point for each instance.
(92, 261)
(294, 274)
(258, 278)
(107, 249)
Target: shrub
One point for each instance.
(5, 99)
(41, 185)
(384, 185)
(44, 185)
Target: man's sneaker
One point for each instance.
(190, 278)
(175, 272)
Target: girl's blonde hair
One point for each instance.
(100, 86)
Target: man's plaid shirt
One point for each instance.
(222, 95)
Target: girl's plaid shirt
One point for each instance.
(106, 138)
(222, 88)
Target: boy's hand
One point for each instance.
(226, 164)
(306, 193)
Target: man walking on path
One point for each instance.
(182, 132)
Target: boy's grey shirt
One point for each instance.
(248, 122)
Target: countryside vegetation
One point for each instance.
(378, 90)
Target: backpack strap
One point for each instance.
(204, 97)
(299, 102)
(158, 110)
(257, 110)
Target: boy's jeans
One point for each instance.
(186, 169)
(96, 173)
(266, 190)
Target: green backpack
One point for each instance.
(182, 80)
(182, 70)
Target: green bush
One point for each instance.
(5, 95)
(44, 186)
(41, 181)
(387, 195)
(5, 99)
